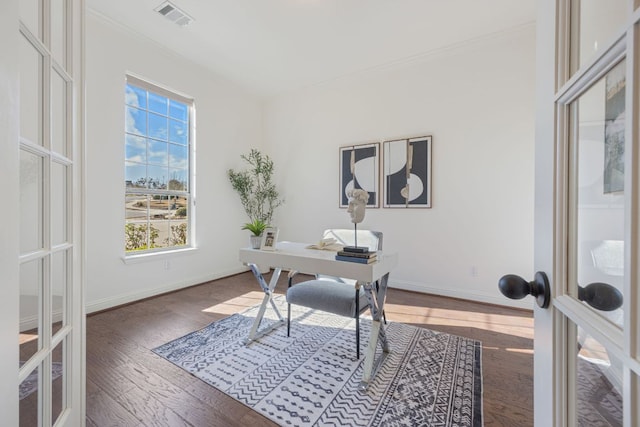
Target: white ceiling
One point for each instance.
(274, 46)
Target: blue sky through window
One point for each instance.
(157, 140)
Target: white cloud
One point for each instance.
(131, 98)
(138, 159)
(130, 122)
(177, 162)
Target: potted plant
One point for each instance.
(257, 192)
(256, 228)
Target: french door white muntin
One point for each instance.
(588, 52)
(51, 309)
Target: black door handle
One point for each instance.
(515, 287)
(601, 296)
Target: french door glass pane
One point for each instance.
(29, 396)
(58, 381)
(595, 27)
(31, 285)
(59, 113)
(598, 384)
(59, 284)
(598, 187)
(58, 33)
(59, 189)
(30, 11)
(31, 202)
(30, 92)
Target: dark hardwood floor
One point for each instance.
(128, 385)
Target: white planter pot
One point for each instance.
(255, 241)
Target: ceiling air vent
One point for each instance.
(174, 14)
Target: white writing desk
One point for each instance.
(295, 257)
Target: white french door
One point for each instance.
(587, 219)
(50, 312)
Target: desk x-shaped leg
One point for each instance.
(376, 293)
(268, 298)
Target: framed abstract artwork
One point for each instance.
(614, 125)
(406, 173)
(360, 168)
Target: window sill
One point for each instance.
(156, 256)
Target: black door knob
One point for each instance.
(515, 287)
(601, 296)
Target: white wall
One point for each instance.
(477, 100)
(229, 122)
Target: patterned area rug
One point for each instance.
(30, 384)
(599, 403)
(312, 379)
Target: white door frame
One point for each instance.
(9, 134)
(543, 383)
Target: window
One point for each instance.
(157, 168)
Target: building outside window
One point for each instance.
(158, 150)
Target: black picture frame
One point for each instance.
(360, 168)
(406, 172)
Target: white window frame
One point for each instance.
(139, 255)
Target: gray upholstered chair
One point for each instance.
(335, 294)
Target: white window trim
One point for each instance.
(135, 257)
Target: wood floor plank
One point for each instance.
(151, 411)
(128, 384)
(105, 411)
(174, 398)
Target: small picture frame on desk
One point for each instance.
(269, 239)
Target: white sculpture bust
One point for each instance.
(357, 204)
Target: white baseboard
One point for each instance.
(28, 323)
(107, 303)
(497, 298)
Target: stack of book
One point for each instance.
(357, 254)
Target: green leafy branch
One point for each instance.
(255, 187)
